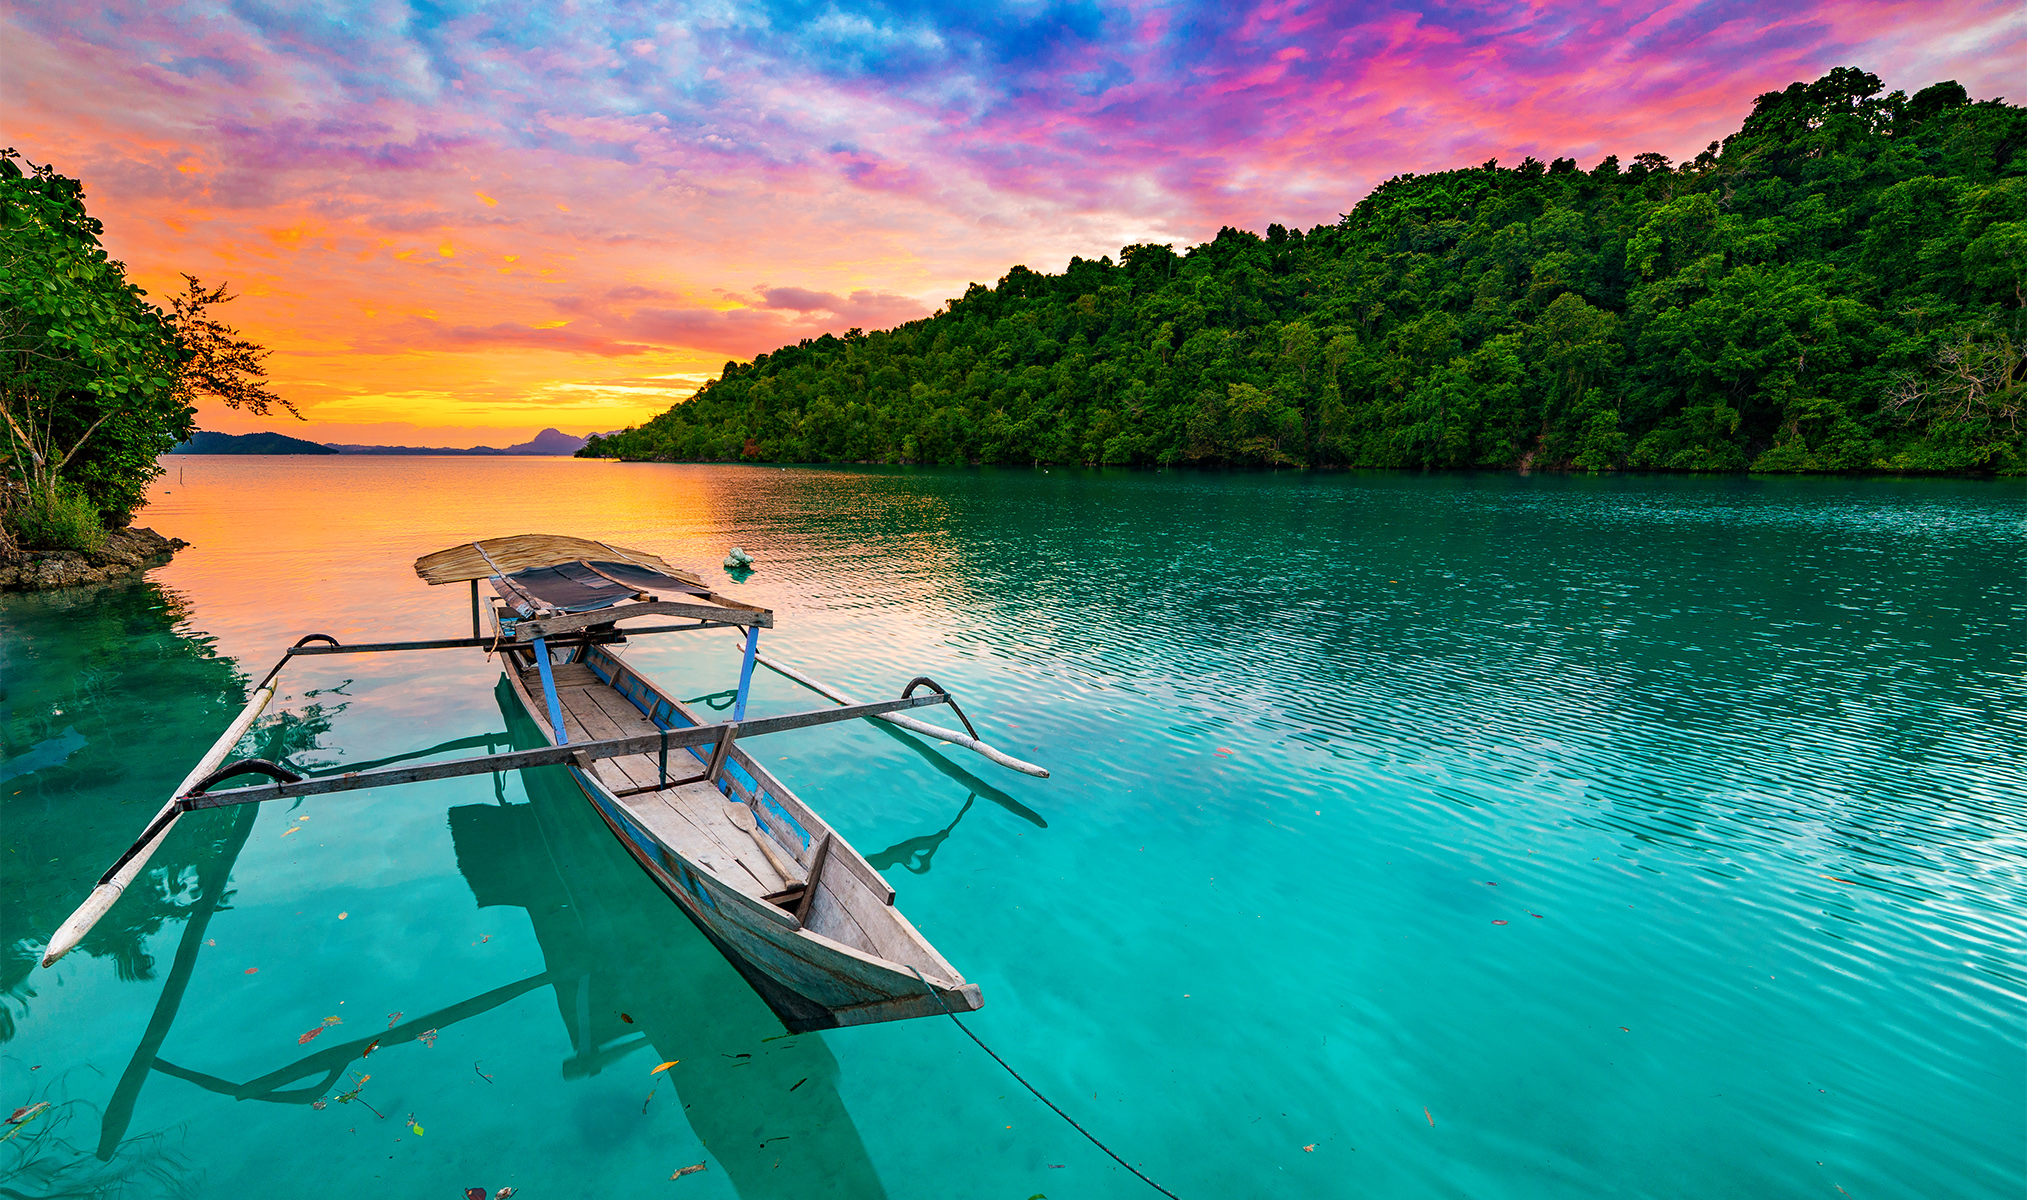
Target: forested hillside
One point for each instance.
(1839, 285)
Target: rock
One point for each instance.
(125, 551)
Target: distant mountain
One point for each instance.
(549, 441)
(252, 443)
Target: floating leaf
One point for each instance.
(1426, 1113)
(689, 1170)
(417, 1129)
(21, 1118)
(427, 1037)
(343, 915)
(1499, 922)
(334, 1020)
(503, 1193)
(665, 1066)
(475, 1194)
(318, 1104)
(627, 1019)
(1309, 1149)
(393, 1019)
(292, 829)
(798, 1083)
(312, 1033)
(251, 970)
(370, 1047)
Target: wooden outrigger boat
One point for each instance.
(791, 904)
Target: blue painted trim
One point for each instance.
(788, 817)
(549, 692)
(746, 672)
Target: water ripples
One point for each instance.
(1660, 836)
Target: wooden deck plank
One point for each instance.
(703, 806)
(590, 722)
(741, 865)
(569, 675)
(682, 835)
(620, 710)
(577, 692)
(644, 769)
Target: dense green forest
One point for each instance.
(1840, 285)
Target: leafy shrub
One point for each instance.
(58, 518)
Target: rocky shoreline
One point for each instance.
(125, 551)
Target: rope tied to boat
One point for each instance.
(1088, 1135)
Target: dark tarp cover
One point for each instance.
(574, 587)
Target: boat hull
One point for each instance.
(809, 980)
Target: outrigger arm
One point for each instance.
(195, 794)
(971, 742)
(115, 881)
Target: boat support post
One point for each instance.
(475, 608)
(549, 691)
(746, 672)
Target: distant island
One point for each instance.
(548, 442)
(1840, 285)
(248, 443)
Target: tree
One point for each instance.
(95, 381)
(217, 361)
(87, 367)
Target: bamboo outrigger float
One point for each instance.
(792, 905)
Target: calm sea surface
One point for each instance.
(1410, 836)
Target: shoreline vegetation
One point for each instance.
(1839, 286)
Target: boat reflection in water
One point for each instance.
(628, 977)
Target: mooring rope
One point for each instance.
(1037, 1093)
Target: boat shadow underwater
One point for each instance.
(766, 1103)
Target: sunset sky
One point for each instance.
(460, 223)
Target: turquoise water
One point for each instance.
(1409, 836)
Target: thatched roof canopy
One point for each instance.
(524, 550)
